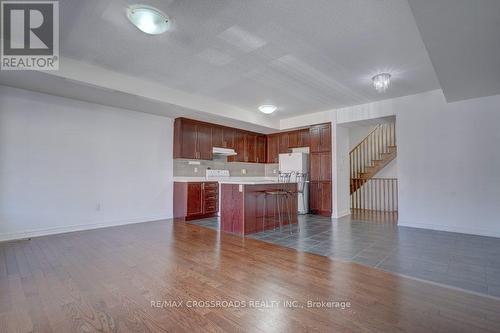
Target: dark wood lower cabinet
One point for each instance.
(320, 198)
(195, 200)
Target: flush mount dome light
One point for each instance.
(381, 82)
(267, 109)
(148, 19)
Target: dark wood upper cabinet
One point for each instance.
(239, 147)
(192, 139)
(304, 137)
(261, 149)
(283, 143)
(228, 137)
(218, 136)
(273, 148)
(251, 147)
(293, 139)
(185, 139)
(320, 138)
(204, 141)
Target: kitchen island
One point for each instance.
(242, 206)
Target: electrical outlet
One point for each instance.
(244, 171)
(275, 171)
(195, 170)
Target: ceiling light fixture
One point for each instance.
(267, 109)
(381, 82)
(148, 19)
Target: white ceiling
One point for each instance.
(463, 40)
(233, 55)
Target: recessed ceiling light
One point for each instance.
(148, 19)
(381, 82)
(267, 108)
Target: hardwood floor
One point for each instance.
(106, 280)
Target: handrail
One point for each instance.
(371, 149)
(359, 144)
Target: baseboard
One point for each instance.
(79, 227)
(470, 231)
(342, 214)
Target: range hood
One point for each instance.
(223, 151)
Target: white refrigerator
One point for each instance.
(298, 163)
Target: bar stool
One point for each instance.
(301, 179)
(280, 195)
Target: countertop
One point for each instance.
(249, 182)
(230, 180)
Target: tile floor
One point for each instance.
(465, 261)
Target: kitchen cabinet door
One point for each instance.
(283, 143)
(195, 199)
(261, 149)
(218, 136)
(272, 148)
(293, 139)
(315, 167)
(228, 137)
(185, 139)
(326, 198)
(204, 141)
(321, 138)
(251, 148)
(303, 138)
(321, 166)
(239, 147)
(314, 197)
(325, 166)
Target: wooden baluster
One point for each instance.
(397, 196)
(394, 194)
(380, 195)
(386, 137)
(371, 194)
(385, 196)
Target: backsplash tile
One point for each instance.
(183, 169)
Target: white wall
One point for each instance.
(358, 134)
(449, 163)
(69, 165)
(448, 159)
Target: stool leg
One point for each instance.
(279, 210)
(264, 211)
(286, 197)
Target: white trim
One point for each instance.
(462, 230)
(341, 214)
(79, 227)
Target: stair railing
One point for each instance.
(378, 194)
(376, 143)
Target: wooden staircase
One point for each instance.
(372, 154)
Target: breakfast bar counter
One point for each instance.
(242, 206)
